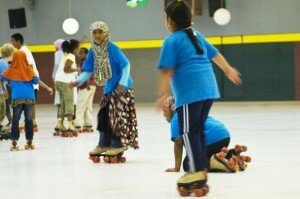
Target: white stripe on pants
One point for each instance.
(186, 140)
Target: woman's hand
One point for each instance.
(120, 89)
(73, 84)
(160, 101)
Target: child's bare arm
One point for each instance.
(163, 86)
(178, 148)
(232, 74)
(42, 84)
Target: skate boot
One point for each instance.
(236, 152)
(78, 129)
(114, 155)
(35, 126)
(59, 128)
(71, 131)
(29, 145)
(96, 153)
(14, 146)
(21, 126)
(87, 129)
(4, 135)
(218, 163)
(193, 183)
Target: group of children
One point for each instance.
(188, 72)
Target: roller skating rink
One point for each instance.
(60, 167)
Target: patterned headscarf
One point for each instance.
(170, 103)
(100, 51)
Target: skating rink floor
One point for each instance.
(60, 168)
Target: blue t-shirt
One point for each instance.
(193, 79)
(118, 61)
(3, 66)
(214, 130)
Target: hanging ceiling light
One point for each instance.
(70, 25)
(222, 16)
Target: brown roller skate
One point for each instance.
(78, 129)
(218, 163)
(14, 146)
(193, 183)
(87, 129)
(114, 155)
(241, 159)
(96, 153)
(71, 131)
(29, 145)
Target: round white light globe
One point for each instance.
(222, 16)
(70, 26)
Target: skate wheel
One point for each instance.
(246, 158)
(32, 147)
(92, 131)
(183, 192)
(224, 149)
(221, 155)
(122, 159)
(113, 160)
(200, 192)
(26, 147)
(106, 159)
(231, 164)
(96, 159)
(240, 147)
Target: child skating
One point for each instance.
(84, 106)
(185, 64)
(21, 77)
(217, 139)
(117, 122)
(66, 74)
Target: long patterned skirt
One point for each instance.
(120, 118)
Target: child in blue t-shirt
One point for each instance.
(185, 62)
(116, 118)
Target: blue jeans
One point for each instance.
(17, 111)
(109, 140)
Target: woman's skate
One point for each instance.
(29, 145)
(14, 146)
(193, 183)
(114, 155)
(96, 153)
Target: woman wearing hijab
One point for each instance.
(117, 122)
(21, 77)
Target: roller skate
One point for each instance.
(114, 155)
(78, 129)
(4, 135)
(218, 163)
(14, 146)
(96, 153)
(29, 145)
(59, 128)
(35, 126)
(193, 183)
(87, 129)
(70, 132)
(242, 160)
